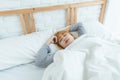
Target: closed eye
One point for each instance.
(64, 35)
(62, 38)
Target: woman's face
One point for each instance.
(65, 40)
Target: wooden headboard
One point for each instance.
(27, 18)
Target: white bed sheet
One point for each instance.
(22, 72)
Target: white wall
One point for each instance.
(112, 18)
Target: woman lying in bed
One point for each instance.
(62, 39)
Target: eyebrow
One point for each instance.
(60, 37)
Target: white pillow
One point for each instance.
(93, 28)
(22, 49)
(97, 29)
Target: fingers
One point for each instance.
(68, 26)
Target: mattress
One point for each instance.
(22, 72)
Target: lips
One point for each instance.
(66, 40)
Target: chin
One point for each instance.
(68, 44)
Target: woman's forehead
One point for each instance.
(61, 34)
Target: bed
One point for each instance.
(24, 72)
(17, 62)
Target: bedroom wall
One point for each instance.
(11, 26)
(112, 18)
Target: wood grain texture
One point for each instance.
(27, 20)
(102, 13)
(23, 23)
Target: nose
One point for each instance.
(64, 38)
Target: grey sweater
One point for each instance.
(44, 56)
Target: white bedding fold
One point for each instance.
(66, 65)
(87, 58)
(65, 56)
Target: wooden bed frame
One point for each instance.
(26, 15)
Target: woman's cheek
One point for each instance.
(62, 43)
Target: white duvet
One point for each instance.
(87, 58)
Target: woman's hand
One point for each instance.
(68, 28)
(52, 40)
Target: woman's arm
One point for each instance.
(78, 27)
(44, 56)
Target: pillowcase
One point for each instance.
(93, 28)
(97, 29)
(22, 49)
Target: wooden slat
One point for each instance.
(103, 11)
(31, 10)
(89, 3)
(27, 22)
(39, 9)
(75, 15)
(58, 7)
(72, 15)
(14, 12)
(68, 17)
(23, 23)
(33, 22)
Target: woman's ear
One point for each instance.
(55, 39)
